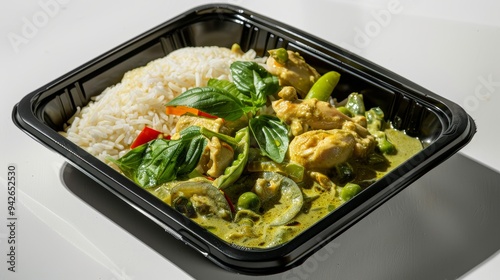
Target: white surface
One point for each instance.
(449, 47)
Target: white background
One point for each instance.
(450, 47)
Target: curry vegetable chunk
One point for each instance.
(256, 160)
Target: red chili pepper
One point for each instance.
(231, 205)
(210, 178)
(146, 135)
(181, 110)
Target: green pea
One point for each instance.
(349, 191)
(323, 87)
(386, 146)
(250, 201)
(383, 144)
(280, 55)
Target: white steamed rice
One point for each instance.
(108, 125)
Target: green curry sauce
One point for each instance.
(255, 230)
(264, 193)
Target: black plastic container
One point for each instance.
(442, 126)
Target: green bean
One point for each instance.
(349, 191)
(323, 87)
(386, 147)
(345, 111)
(250, 201)
(375, 121)
(241, 149)
(383, 144)
(355, 104)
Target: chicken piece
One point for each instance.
(324, 149)
(365, 144)
(288, 93)
(294, 71)
(185, 121)
(218, 155)
(303, 115)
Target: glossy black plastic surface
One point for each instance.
(442, 126)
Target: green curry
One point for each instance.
(258, 160)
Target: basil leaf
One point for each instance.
(190, 132)
(192, 156)
(195, 144)
(158, 163)
(271, 135)
(161, 160)
(229, 87)
(266, 84)
(131, 161)
(214, 101)
(242, 74)
(259, 98)
(254, 81)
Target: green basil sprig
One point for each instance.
(247, 95)
(254, 81)
(231, 89)
(271, 135)
(215, 101)
(160, 160)
(252, 85)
